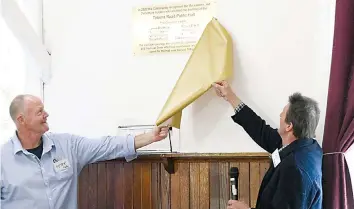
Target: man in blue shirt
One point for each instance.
(294, 179)
(39, 169)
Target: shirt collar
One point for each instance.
(17, 146)
(297, 144)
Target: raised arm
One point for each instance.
(90, 150)
(264, 135)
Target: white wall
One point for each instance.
(18, 62)
(18, 69)
(97, 84)
(32, 9)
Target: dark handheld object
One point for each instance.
(233, 183)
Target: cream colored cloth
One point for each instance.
(211, 61)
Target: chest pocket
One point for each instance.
(63, 170)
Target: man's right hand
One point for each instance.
(224, 90)
(235, 204)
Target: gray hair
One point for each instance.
(303, 114)
(17, 105)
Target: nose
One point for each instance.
(45, 114)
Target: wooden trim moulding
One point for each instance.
(168, 159)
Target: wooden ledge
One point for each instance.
(168, 159)
(203, 156)
(215, 155)
(142, 155)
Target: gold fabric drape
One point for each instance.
(210, 61)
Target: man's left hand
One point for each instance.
(234, 204)
(159, 133)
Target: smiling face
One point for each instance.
(33, 117)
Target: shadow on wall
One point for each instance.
(210, 107)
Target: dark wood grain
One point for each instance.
(146, 186)
(175, 189)
(224, 184)
(263, 168)
(254, 182)
(102, 186)
(137, 186)
(83, 189)
(214, 185)
(184, 185)
(155, 186)
(244, 182)
(128, 186)
(198, 183)
(204, 199)
(259, 156)
(118, 178)
(194, 185)
(93, 186)
(165, 188)
(110, 179)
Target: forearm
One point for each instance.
(234, 101)
(143, 140)
(264, 135)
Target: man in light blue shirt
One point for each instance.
(39, 169)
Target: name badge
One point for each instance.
(61, 165)
(276, 158)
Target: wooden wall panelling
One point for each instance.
(117, 178)
(111, 170)
(184, 184)
(197, 183)
(146, 186)
(137, 186)
(101, 185)
(93, 186)
(224, 184)
(175, 189)
(263, 166)
(194, 174)
(244, 182)
(128, 186)
(165, 188)
(155, 186)
(254, 182)
(214, 185)
(204, 201)
(83, 188)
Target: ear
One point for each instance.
(289, 127)
(20, 119)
